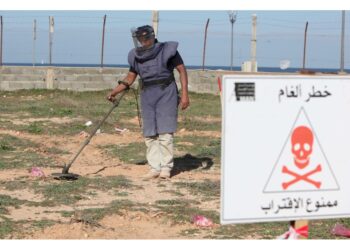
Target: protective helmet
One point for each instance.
(143, 37)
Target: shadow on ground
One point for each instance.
(186, 163)
(189, 162)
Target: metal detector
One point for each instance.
(65, 175)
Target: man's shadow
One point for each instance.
(189, 162)
(186, 163)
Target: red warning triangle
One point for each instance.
(302, 164)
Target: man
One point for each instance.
(154, 62)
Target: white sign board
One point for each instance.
(285, 148)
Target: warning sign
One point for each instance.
(285, 148)
(302, 165)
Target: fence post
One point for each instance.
(51, 30)
(1, 39)
(34, 40)
(205, 42)
(305, 39)
(103, 39)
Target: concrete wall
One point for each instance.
(89, 79)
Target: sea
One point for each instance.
(218, 68)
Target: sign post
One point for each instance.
(285, 148)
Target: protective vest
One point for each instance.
(151, 65)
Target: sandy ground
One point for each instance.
(93, 161)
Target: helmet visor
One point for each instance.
(143, 37)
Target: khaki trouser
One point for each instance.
(160, 151)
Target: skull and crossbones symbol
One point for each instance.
(302, 144)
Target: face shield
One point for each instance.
(143, 37)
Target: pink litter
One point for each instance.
(37, 172)
(83, 134)
(201, 221)
(119, 130)
(340, 230)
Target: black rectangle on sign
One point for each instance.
(245, 91)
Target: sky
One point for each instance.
(77, 37)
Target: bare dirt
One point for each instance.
(94, 161)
